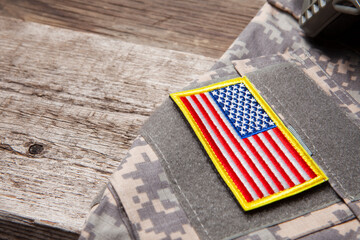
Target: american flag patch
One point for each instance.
(254, 152)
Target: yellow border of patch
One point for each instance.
(321, 177)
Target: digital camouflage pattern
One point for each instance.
(139, 203)
(152, 210)
(105, 221)
(303, 226)
(348, 230)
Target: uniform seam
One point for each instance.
(124, 217)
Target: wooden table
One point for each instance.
(77, 80)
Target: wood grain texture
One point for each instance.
(70, 105)
(14, 227)
(202, 27)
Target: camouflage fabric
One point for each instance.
(348, 230)
(151, 209)
(105, 220)
(139, 203)
(305, 225)
(145, 192)
(355, 207)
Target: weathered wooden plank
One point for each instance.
(13, 227)
(70, 104)
(202, 27)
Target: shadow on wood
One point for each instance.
(202, 27)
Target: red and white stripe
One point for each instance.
(260, 165)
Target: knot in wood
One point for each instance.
(36, 148)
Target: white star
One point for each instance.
(225, 108)
(242, 132)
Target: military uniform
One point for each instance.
(166, 187)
